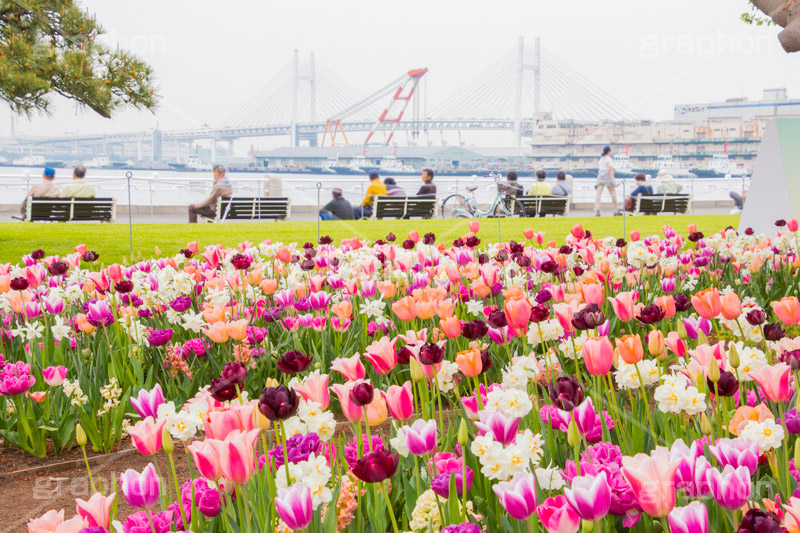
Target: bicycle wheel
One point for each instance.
(456, 206)
(509, 207)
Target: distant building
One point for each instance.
(774, 103)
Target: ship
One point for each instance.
(391, 166)
(670, 165)
(29, 161)
(355, 167)
(721, 167)
(99, 161)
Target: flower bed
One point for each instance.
(591, 383)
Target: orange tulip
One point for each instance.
(746, 414)
(84, 324)
(387, 289)
(269, 286)
(731, 306)
(213, 314)
(630, 348)
(284, 255)
(238, 329)
(470, 362)
(444, 308)
(425, 310)
(787, 310)
(405, 308)
(451, 326)
(377, 411)
(707, 303)
(343, 309)
(218, 332)
(667, 304)
(656, 344)
(254, 277)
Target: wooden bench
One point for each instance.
(403, 207)
(677, 204)
(252, 208)
(70, 209)
(544, 205)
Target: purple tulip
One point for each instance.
(441, 483)
(504, 428)
(147, 402)
(590, 496)
(692, 518)
(298, 448)
(731, 487)
(518, 496)
(295, 506)
(181, 304)
(693, 326)
(464, 527)
(736, 453)
(99, 314)
(159, 337)
(421, 437)
(140, 490)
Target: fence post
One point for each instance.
(129, 176)
(27, 175)
(624, 211)
(319, 189)
(150, 186)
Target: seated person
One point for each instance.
(511, 187)
(665, 184)
(738, 199)
(641, 189)
(392, 188)
(561, 188)
(222, 189)
(376, 188)
(338, 208)
(428, 187)
(45, 189)
(78, 188)
(540, 188)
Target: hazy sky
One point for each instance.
(209, 57)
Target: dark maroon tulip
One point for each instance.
(682, 302)
(621, 243)
(749, 231)
(497, 319)
(474, 329)
(696, 236)
(727, 384)
(431, 354)
(278, 403)
(774, 332)
(758, 521)
(565, 249)
(483, 259)
(403, 355)
(429, 239)
(589, 317)
(791, 358)
(391, 237)
(90, 256)
(325, 239)
(224, 388)
(566, 393)
(539, 313)
(472, 241)
(587, 235)
(501, 257)
(123, 287)
(515, 247)
(307, 264)
(780, 223)
(293, 362)
(37, 254)
(522, 260)
(187, 253)
(549, 266)
(458, 243)
(408, 244)
(543, 296)
(362, 393)
(486, 361)
(756, 317)
(578, 270)
(376, 466)
(19, 284)
(57, 268)
(241, 261)
(650, 314)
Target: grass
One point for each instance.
(111, 241)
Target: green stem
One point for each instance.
(391, 509)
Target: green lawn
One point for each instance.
(111, 241)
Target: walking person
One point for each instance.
(605, 180)
(222, 189)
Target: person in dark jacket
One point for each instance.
(428, 187)
(641, 186)
(338, 208)
(392, 188)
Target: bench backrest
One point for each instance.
(663, 203)
(404, 207)
(547, 205)
(70, 209)
(254, 208)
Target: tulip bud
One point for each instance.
(80, 435)
(463, 434)
(713, 370)
(701, 337)
(259, 420)
(271, 382)
(682, 330)
(705, 425)
(733, 356)
(166, 441)
(573, 434)
(416, 370)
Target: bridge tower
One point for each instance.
(522, 66)
(311, 77)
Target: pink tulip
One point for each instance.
(675, 344)
(295, 506)
(731, 487)
(622, 304)
(736, 453)
(787, 310)
(315, 389)
(564, 312)
(147, 402)
(206, 459)
(502, 427)
(651, 478)
(47, 523)
(692, 467)
(518, 496)
(577, 231)
(140, 490)
(382, 355)
(474, 226)
(421, 437)
(350, 367)
(557, 516)
(774, 381)
(590, 496)
(399, 400)
(54, 375)
(236, 454)
(518, 313)
(593, 293)
(146, 435)
(96, 511)
(350, 410)
(220, 422)
(598, 355)
(692, 518)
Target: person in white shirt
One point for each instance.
(605, 179)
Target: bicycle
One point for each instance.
(460, 206)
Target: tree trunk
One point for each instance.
(786, 14)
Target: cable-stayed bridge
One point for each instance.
(309, 103)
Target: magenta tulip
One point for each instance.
(140, 490)
(692, 518)
(54, 375)
(518, 496)
(558, 516)
(504, 428)
(590, 496)
(731, 487)
(147, 402)
(736, 453)
(421, 437)
(295, 507)
(400, 400)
